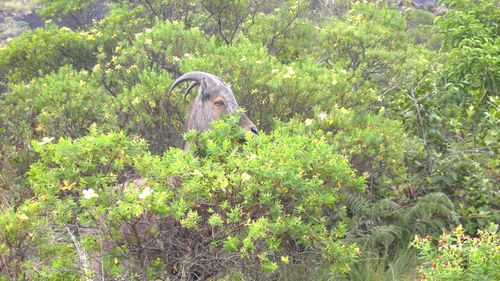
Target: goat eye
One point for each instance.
(219, 103)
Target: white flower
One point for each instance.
(89, 194)
(46, 140)
(308, 122)
(245, 176)
(145, 193)
(322, 116)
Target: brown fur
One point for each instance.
(214, 99)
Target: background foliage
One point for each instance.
(380, 122)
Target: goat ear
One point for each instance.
(204, 88)
(229, 86)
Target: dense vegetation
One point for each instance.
(379, 157)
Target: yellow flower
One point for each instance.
(308, 122)
(68, 185)
(224, 183)
(136, 101)
(196, 172)
(22, 217)
(285, 259)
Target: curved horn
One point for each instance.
(195, 76)
(191, 86)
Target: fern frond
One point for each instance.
(430, 213)
(384, 235)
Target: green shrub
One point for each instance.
(460, 257)
(60, 8)
(44, 50)
(420, 25)
(366, 139)
(28, 249)
(38, 239)
(268, 89)
(67, 167)
(469, 179)
(64, 103)
(162, 46)
(284, 32)
(118, 28)
(472, 37)
(273, 200)
(364, 39)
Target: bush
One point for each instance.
(472, 36)
(269, 89)
(273, 200)
(28, 249)
(364, 40)
(44, 50)
(64, 103)
(39, 239)
(366, 139)
(420, 25)
(284, 32)
(118, 28)
(460, 257)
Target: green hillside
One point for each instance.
(377, 157)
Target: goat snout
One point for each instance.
(248, 125)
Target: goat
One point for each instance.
(214, 98)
